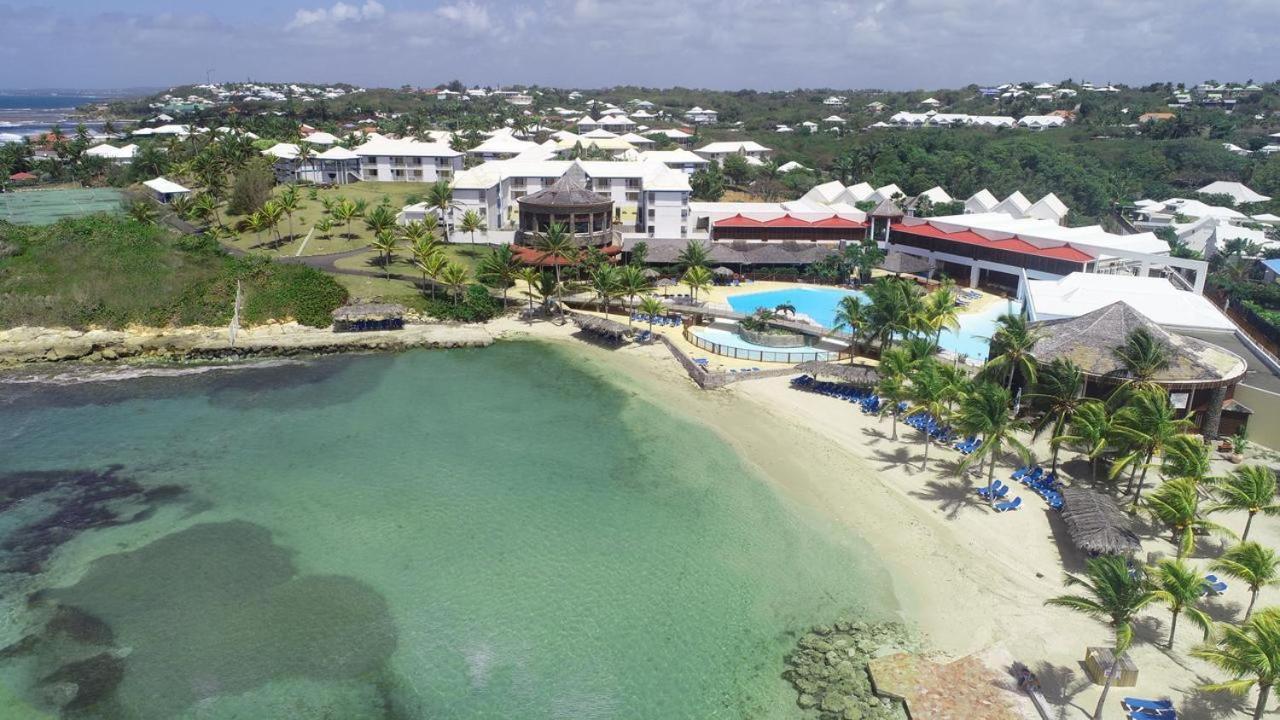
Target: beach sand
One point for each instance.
(965, 577)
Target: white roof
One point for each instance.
(767, 211)
(337, 152)
(1267, 218)
(884, 193)
(321, 138)
(284, 151)
(826, 193)
(789, 166)
(936, 195)
(112, 152)
(1016, 205)
(405, 148)
(857, 193)
(733, 147)
(502, 144)
(1193, 209)
(654, 175)
(599, 134)
(635, 139)
(1238, 191)
(674, 133)
(981, 201)
(1047, 233)
(677, 156)
(833, 119)
(1048, 207)
(1081, 293)
(617, 121)
(164, 186)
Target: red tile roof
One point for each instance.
(534, 256)
(1012, 244)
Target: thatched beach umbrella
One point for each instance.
(603, 327)
(1096, 524)
(863, 375)
(665, 283)
(650, 273)
(723, 271)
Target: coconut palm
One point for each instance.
(454, 276)
(432, 266)
(1148, 423)
(1180, 586)
(694, 254)
(555, 243)
(1011, 348)
(386, 243)
(651, 307)
(896, 366)
(604, 281)
(851, 314)
(1253, 564)
(256, 224)
(272, 214)
(631, 284)
(938, 313)
(143, 211)
(1090, 431)
(440, 197)
(1250, 653)
(1057, 395)
(1176, 505)
(472, 223)
(1142, 356)
(697, 278)
(894, 306)
(985, 412)
(289, 203)
(1186, 457)
(499, 268)
(1112, 595)
(344, 211)
(530, 276)
(381, 219)
(205, 206)
(928, 392)
(1251, 489)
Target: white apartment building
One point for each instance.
(717, 151)
(388, 160)
(702, 116)
(679, 159)
(650, 199)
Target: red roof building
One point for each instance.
(787, 227)
(23, 177)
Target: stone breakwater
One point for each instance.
(828, 668)
(36, 344)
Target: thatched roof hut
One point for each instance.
(1090, 341)
(1096, 524)
(360, 317)
(603, 327)
(862, 375)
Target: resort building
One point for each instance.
(118, 155)
(588, 216)
(678, 159)
(501, 145)
(1238, 192)
(1201, 377)
(648, 197)
(716, 152)
(164, 190)
(388, 160)
(1162, 302)
(1002, 252)
(702, 116)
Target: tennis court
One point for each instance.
(45, 207)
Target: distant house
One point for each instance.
(680, 159)
(164, 191)
(1239, 192)
(717, 151)
(835, 119)
(118, 155)
(23, 177)
(1150, 117)
(702, 116)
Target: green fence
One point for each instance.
(45, 207)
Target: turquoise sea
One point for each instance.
(494, 533)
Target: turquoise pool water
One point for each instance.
(495, 533)
(820, 304)
(731, 343)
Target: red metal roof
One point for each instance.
(534, 256)
(22, 176)
(789, 221)
(1013, 244)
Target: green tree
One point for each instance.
(1253, 564)
(1250, 653)
(555, 243)
(1112, 595)
(344, 211)
(1250, 489)
(694, 254)
(144, 211)
(386, 242)
(1142, 356)
(272, 213)
(1176, 505)
(928, 392)
(697, 278)
(454, 276)
(853, 315)
(604, 283)
(707, 184)
(735, 168)
(632, 283)
(895, 368)
(499, 268)
(1179, 586)
(381, 219)
(1090, 431)
(289, 203)
(432, 266)
(1148, 423)
(651, 307)
(251, 187)
(639, 253)
(530, 276)
(1011, 348)
(472, 223)
(440, 197)
(985, 412)
(1058, 393)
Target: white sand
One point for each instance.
(967, 577)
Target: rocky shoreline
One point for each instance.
(23, 345)
(828, 669)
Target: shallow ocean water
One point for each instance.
(450, 534)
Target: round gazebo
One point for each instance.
(585, 214)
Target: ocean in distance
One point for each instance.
(501, 532)
(25, 115)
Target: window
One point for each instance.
(652, 213)
(517, 182)
(633, 197)
(651, 196)
(650, 231)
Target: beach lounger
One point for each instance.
(1152, 715)
(1216, 588)
(1132, 703)
(998, 491)
(1007, 506)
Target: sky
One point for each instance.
(718, 44)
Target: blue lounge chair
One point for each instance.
(1011, 505)
(1153, 715)
(1214, 588)
(1132, 704)
(997, 491)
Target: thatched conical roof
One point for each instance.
(600, 326)
(1096, 525)
(887, 209)
(1090, 341)
(570, 191)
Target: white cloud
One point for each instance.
(338, 14)
(470, 16)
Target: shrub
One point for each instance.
(477, 306)
(251, 187)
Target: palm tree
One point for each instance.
(143, 211)
(604, 281)
(1058, 386)
(1251, 653)
(432, 266)
(1185, 457)
(1148, 423)
(694, 254)
(555, 243)
(380, 219)
(1090, 431)
(344, 211)
(652, 307)
(1142, 356)
(472, 223)
(852, 314)
(255, 224)
(272, 214)
(500, 267)
(894, 306)
(386, 242)
(1250, 489)
(1112, 595)
(440, 197)
(631, 284)
(985, 412)
(895, 367)
(454, 276)
(206, 206)
(938, 313)
(1011, 348)
(929, 394)
(697, 278)
(1180, 586)
(530, 276)
(1252, 564)
(289, 203)
(1176, 505)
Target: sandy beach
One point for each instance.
(966, 577)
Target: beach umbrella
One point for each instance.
(651, 273)
(723, 271)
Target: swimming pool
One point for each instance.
(731, 344)
(820, 304)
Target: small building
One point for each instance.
(164, 191)
(588, 216)
(23, 177)
(717, 151)
(702, 116)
